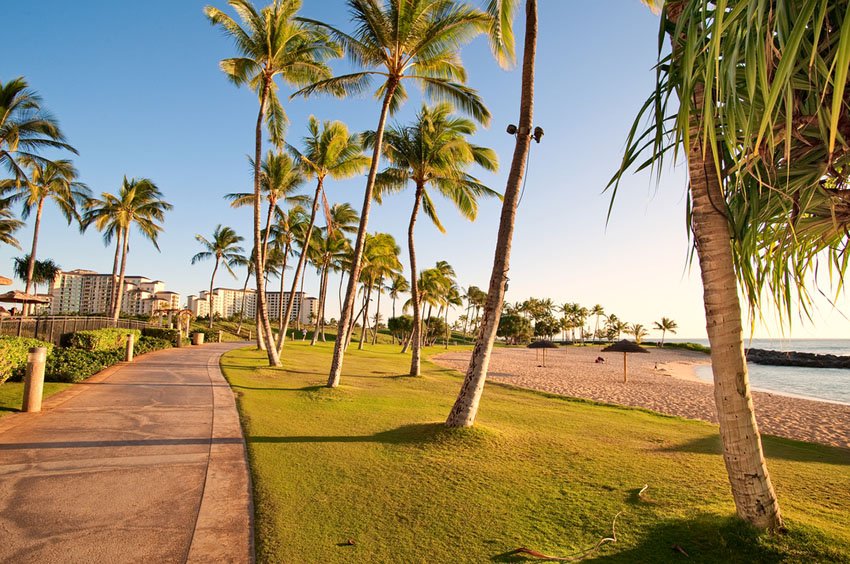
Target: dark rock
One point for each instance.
(801, 359)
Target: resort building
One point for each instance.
(87, 292)
(229, 302)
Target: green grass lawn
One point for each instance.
(371, 462)
(12, 393)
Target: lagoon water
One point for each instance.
(829, 384)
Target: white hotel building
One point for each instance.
(228, 302)
(86, 292)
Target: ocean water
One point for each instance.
(831, 384)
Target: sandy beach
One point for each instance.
(663, 381)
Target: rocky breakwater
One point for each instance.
(802, 359)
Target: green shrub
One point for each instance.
(688, 346)
(172, 335)
(149, 344)
(13, 356)
(75, 365)
(102, 339)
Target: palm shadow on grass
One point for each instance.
(704, 538)
(433, 433)
(774, 447)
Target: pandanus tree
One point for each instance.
(329, 151)
(54, 181)
(666, 324)
(271, 44)
(760, 110)
(26, 129)
(432, 154)
(224, 249)
(397, 42)
(139, 202)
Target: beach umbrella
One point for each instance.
(543, 345)
(625, 347)
(5, 281)
(16, 297)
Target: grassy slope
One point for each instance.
(12, 393)
(370, 461)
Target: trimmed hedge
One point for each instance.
(172, 335)
(102, 339)
(13, 355)
(149, 344)
(75, 365)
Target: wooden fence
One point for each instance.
(51, 329)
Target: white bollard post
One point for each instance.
(34, 380)
(128, 353)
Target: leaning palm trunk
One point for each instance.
(281, 328)
(119, 292)
(345, 314)
(31, 261)
(752, 490)
(416, 333)
(320, 311)
(115, 266)
(367, 297)
(378, 311)
(466, 406)
(242, 309)
(210, 296)
(302, 260)
(264, 329)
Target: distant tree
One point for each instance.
(224, 249)
(597, 311)
(44, 271)
(515, 328)
(638, 331)
(546, 326)
(666, 324)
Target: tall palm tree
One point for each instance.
(329, 151)
(397, 285)
(272, 44)
(399, 41)
(330, 247)
(452, 298)
(224, 248)
(25, 128)
(666, 324)
(597, 311)
(638, 331)
(55, 181)
(286, 231)
(433, 152)
(138, 202)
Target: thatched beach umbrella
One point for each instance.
(16, 297)
(543, 345)
(5, 281)
(625, 347)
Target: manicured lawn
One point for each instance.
(371, 462)
(11, 394)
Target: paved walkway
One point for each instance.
(142, 463)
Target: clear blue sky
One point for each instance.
(137, 90)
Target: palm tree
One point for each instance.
(432, 152)
(399, 42)
(8, 224)
(380, 261)
(271, 44)
(452, 298)
(597, 311)
(52, 180)
(43, 273)
(138, 202)
(224, 248)
(638, 331)
(398, 285)
(330, 247)
(330, 151)
(666, 324)
(290, 225)
(25, 128)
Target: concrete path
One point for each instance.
(142, 463)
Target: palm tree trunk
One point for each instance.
(320, 311)
(31, 262)
(354, 319)
(119, 292)
(305, 247)
(345, 314)
(242, 309)
(341, 280)
(263, 324)
(416, 336)
(447, 328)
(115, 266)
(378, 311)
(280, 324)
(466, 406)
(212, 282)
(367, 299)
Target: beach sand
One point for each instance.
(663, 381)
